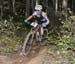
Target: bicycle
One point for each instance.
(34, 33)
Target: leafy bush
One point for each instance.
(12, 33)
(8, 44)
(65, 39)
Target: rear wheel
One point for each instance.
(45, 34)
(27, 44)
(41, 39)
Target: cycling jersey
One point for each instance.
(42, 18)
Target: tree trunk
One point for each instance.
(10, 7)
(1, 8)
(56, 6)
(27, 8)
(64, 5)
(14, 11)
(37, 2)
(33, 4)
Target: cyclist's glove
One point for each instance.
(25, 20)
(44, 25)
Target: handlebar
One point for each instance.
(33, 24)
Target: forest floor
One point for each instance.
(38, 56)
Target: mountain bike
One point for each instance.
(34, 34)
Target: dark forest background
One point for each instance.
(61, 35)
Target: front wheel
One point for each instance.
(27, 44)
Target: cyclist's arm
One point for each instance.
(30, 17)
(45, 16)
(47, 20)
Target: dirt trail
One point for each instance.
(33, 58)
(38, 56)
(4, 60)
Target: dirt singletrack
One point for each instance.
(38, 55)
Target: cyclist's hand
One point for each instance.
(25, 20)
(44, 24)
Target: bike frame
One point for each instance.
(34, 31)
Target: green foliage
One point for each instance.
(63, 42)
(8, 44)
(72, 62)
(12, 34)
(64, 39)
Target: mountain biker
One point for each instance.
(41, 17)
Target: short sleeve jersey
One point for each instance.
(41, 17)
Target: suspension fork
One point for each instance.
(32, 35)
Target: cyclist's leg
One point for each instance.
(42, 29)
(42, 36)
(43, 24)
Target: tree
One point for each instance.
(64, 5)
(10, 7)
(1, 8)
(13, 4)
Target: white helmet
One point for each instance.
(38, 7)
